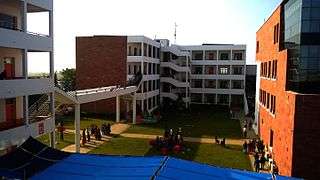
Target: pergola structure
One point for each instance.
(91, 95)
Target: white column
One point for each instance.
(53, 133)
(229, 100)
(118, 109)
(77, 127)
(51, 23)
(134, 108)
(24, 17)
(25, 63)
(51, 65)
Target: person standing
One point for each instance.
(84, 139)
(244, 131)
(245, 147)
(88, 135)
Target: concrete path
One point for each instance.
(116, 129)
(188, 139)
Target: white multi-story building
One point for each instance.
(204, 74)
(143, 55)
(26, 105)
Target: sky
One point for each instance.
(199, 21)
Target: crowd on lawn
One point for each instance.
(171, 141)
(95, 131)
(262, 157)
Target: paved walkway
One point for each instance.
(188, 139)
(116, 129)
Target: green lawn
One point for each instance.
(85, 122)
(68, 140)
(202, 121)
(230, 156)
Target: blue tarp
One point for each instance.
(34, 160)
(83, 166)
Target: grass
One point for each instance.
(68, 140)
(230, 156)
(68, 121)
(202, 121)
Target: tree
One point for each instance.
(68, 79)
(56, 82)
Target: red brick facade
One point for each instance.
(296, 121)
(101, 61)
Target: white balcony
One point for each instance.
(218, 62)
(44, 4)
(147, 95)
(146, 77)
(217, 91)
(175, 67)
(139, 59)
(22, 87)
(20, 40)
(215, 76)
(174, 82)
(18, 135)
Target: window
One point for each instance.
(210, 83)
(196, 98)
(224, 70)
(197, 55)
(129, 51)
(223, 98)
(238, 56)
(211, 55)
(196, 69)
(271, 138)
(149, 50)
(8, 22)
(237, 84)
(135, 51)
(224, 56)
(268, 100)
(257, 47)
(223, 84)
(276, 34)
(210, 69)
(237, 70)
(269, 69)
(196, 83)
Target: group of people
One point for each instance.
(170, 141)
(253, 146)
(262, 158)
(247, 126)
(96, 132)
(222, 142)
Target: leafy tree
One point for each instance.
(56, 81)
(68, 79)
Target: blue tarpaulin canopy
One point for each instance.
(37, 161)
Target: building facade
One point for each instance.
(205, 74)
(288, 96)
(26, 100)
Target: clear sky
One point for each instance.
(199, 21)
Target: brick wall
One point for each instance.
(101, 61)
(282, 122)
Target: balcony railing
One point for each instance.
(13, 26)
(11, 124)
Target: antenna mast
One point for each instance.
(175, 33)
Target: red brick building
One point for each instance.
(289, 96)
(101, 61)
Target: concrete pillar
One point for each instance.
(53, 133)
(51, 23)
(118, 109)
(77, 127)
(51, 65)
(24, 16)
(25, 63)
(26, 109)
(134, 108)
